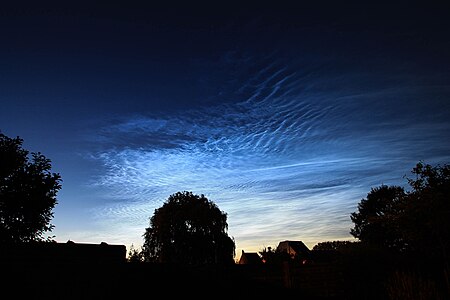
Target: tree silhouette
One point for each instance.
(426, 219)
(28, 192)
(417, 221)
(188, 229)
(272, 256)
(134, 255)
(333, 245)
(377, 216)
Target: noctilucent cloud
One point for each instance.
(285, 118)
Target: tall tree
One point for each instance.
(188, 229)
(28, 192)
(426, 220)
(376, 221)
(417, 221)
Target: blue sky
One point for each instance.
(284, 117)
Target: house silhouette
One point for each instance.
(69, 252)
(249, 258)
(295, 249)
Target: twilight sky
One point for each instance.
(285, 117)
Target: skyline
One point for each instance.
(285, 118)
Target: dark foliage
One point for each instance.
(415, 221)
(273, 256)
(333, 245)
(135, 255)
(376, 218)
(416, 225)
(28, 192)
(188, 229)
(425, 222)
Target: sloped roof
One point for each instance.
(250, 258)
(298, 247)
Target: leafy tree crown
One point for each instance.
(188, 229)
(28, 192)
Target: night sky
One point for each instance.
(284, 116)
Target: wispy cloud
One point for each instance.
(288, 160)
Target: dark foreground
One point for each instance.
(130, 280)
(127, 280)
(85, 271)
